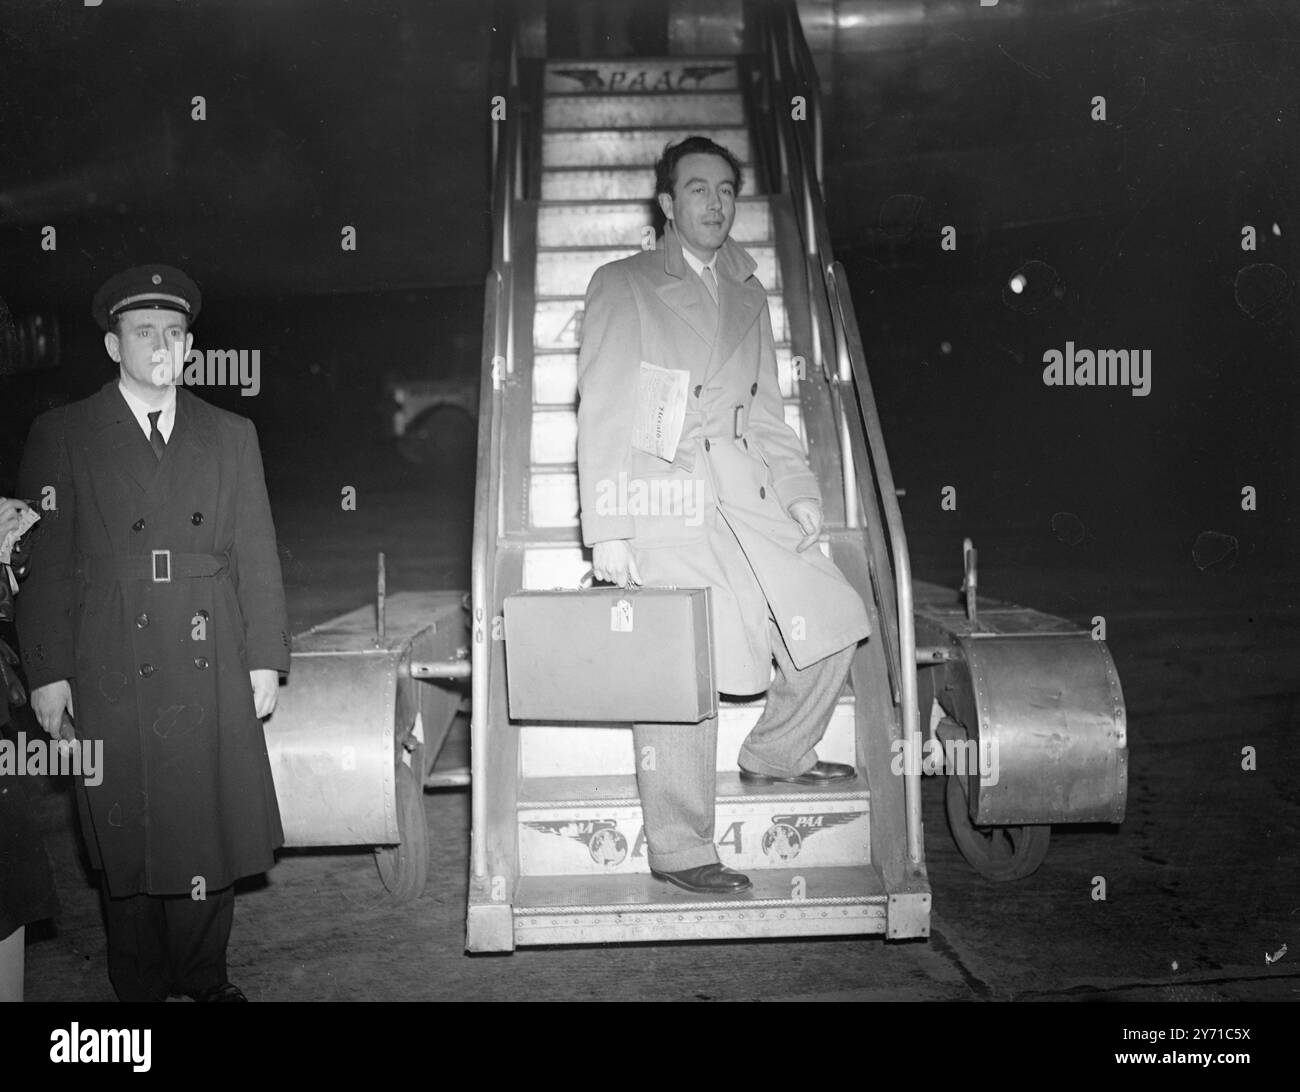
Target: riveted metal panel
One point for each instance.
(1047, 713)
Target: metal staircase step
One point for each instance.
(593, 825)
(601, 184)
(628, 908)
(582, 750)
(555, 436)
(633, 147)
(553, 499)
(641, 74)
(567, 272)
(623, 223)
(637, 111)
(555, 377)
(557, 321)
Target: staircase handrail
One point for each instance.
(793, 71)
(498, 366)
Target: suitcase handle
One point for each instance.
(588, 581)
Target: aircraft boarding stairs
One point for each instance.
(560, 851)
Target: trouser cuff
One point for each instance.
(748, 760)
(695, 857)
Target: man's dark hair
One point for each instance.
(666, 167)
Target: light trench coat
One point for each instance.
(717, 516)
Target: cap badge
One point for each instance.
(156, 279)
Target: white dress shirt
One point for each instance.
(142, 409)
(699, 266)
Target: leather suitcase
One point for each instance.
(612, 655)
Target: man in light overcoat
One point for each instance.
(750, 516)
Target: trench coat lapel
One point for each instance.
(191, 445)
(120, 444)
(739, 303)
(117, 442)
(680, 293)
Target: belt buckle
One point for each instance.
(162, 573)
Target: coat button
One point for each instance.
(141, 620)
(762, 492)
(698, 388)
(197, 518)
(708, 446)
(138, 525)
(146, 670)
(745, 442)
(753, 388)
(201, 662)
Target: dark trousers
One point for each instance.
(167, 944)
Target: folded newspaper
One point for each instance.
(660, 410)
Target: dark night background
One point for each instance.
(1083, 501)
(374, 115)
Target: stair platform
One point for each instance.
(613, 909)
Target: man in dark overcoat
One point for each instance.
(750, 533)
(155, 616)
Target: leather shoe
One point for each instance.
(227, 991)
(821, 773)
(709, 879)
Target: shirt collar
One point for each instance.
(141, 409)
(700, 266)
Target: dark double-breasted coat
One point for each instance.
(159, 669)
(722, 519)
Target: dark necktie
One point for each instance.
(156, 440)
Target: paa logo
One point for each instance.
(785, 837)
(602, 838)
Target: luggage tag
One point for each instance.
(622, 615)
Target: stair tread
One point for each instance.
(605, 96)
(610, 790)
(625, 248)
(581, 298)
(625, 202)
(647, 61)
(612, 168)
(572, 894)
(574, 130)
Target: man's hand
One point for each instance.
(808, 515)
(9, 510)
(49, 702)
(266, 690)
(612, 561)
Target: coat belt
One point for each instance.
(157, 566)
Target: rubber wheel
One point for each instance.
(1002, 854)
(404, 868)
